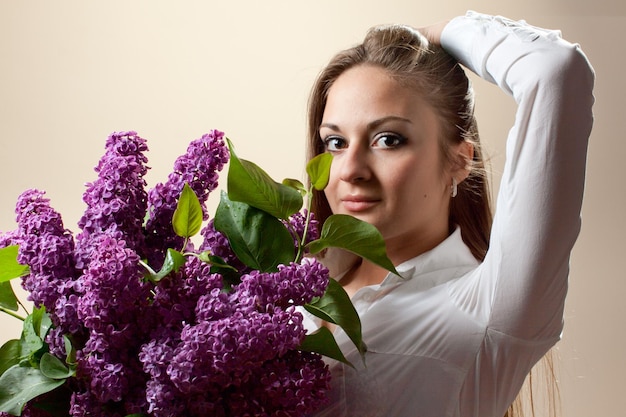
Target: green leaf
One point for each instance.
(173, 261)
(9, 355)
(52, 367)
(230, 275)
(31, 345)
(248, 183)
(70, 351)
(215, 261)
(41, 322)
(295, 184)
(259, 240)
(323, 342)
(335, 307)
(356, 236)
(318, 170)
(9, 266)
(18, 385)
(187, 219)
(7, 296)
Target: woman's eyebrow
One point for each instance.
(375, 123)
(371, 125)
(331, 126)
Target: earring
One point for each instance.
(454, 189)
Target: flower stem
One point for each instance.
(11, 313)
(306, 225)
(185, 243)
(23, 306)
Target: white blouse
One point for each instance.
(457, 337)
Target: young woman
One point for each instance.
(478, 302)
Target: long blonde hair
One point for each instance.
(411, 60)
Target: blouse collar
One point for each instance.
(452, 253)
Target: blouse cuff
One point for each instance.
(475, 39)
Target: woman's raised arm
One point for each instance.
(537, 217)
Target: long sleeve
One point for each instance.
(519, 290)
(538, 207)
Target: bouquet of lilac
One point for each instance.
(131, 319)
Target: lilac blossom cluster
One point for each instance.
(215, 347)
(199, 169)
(187, 344)
(114, 310)
(292, 284)
(297, 227)
(47, 247)
(117, 200)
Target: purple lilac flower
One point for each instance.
(117, 200)
(199, 168)
(158, 352)
(217, 354)
(292, 385)
(176, 296)
(176, 301)
(293, 284)
(85, 403)
(47, 247)
(207, 365)
(56, 342)
(215, 305)
(114, 309)
(7, 239)
(113, 286)
(163, 398)
(296, 226)
(184, 346)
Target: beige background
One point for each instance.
(71, 72)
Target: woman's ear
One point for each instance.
(464, 155)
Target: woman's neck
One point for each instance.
(403, 247)
(399, 250)
(362, 274)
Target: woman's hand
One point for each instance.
(433, 32)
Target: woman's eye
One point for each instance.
(389, 140)
(334, 143)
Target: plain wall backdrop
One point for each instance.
(72, 72)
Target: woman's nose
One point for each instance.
(354, 165)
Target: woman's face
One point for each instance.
(388, 168)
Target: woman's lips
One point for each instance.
(358, 204)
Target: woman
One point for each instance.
(478, 304)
